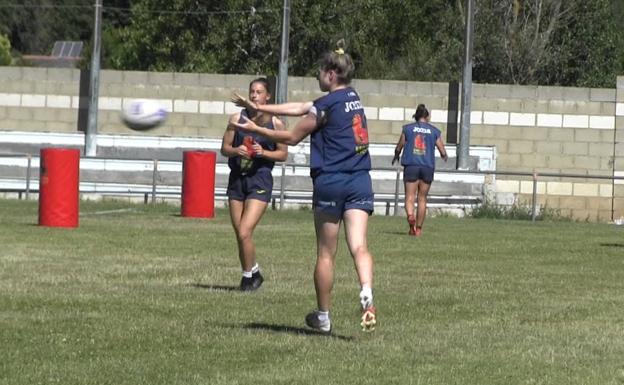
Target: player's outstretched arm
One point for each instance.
(288, 109)
(303, 128)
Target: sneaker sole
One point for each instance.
(318, 329)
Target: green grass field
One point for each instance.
(139, 295)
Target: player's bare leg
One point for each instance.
(327, 228)
(421, 212)
(410, 197)
(356, 228)
(245, 217)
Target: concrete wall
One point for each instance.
(547, 129)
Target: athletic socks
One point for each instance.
(366, 297)
(322, 315)
(255, 269)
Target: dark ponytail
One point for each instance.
(421, 112)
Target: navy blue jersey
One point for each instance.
(420, 140)
(250, 166)
(340, 143)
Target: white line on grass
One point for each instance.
(108, 212)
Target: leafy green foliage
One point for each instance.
(520, 42)
(545, 42)
(188, 36)
(5, 51)
(34, 25)
(548, 42)
(495, 211)
(516, 211)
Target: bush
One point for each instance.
(516, 211)
(5, 51)
(493, 210)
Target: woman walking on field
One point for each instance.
(417, 142)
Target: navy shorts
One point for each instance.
(334, 193)
(414, 173)
(256, 186)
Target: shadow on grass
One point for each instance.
(395, 233)
(612, 244)
(294, 330)
(215, 287)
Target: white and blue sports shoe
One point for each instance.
(313, 321)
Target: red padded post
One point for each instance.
(198, 183)
(58, 187)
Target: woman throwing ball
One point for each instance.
(339, 166)
(251, 159)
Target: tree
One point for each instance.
(590, 41)
(34, 26)
(230, 36)
(549, 42)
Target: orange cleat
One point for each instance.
(369, 319)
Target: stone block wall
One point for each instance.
(576, 131)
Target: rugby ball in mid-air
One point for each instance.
(143, 114)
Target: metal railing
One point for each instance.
(284, 195)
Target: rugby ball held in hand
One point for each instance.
(143, 114)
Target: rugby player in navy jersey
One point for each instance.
(339, 166)
(418, 141)
(251, 159)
